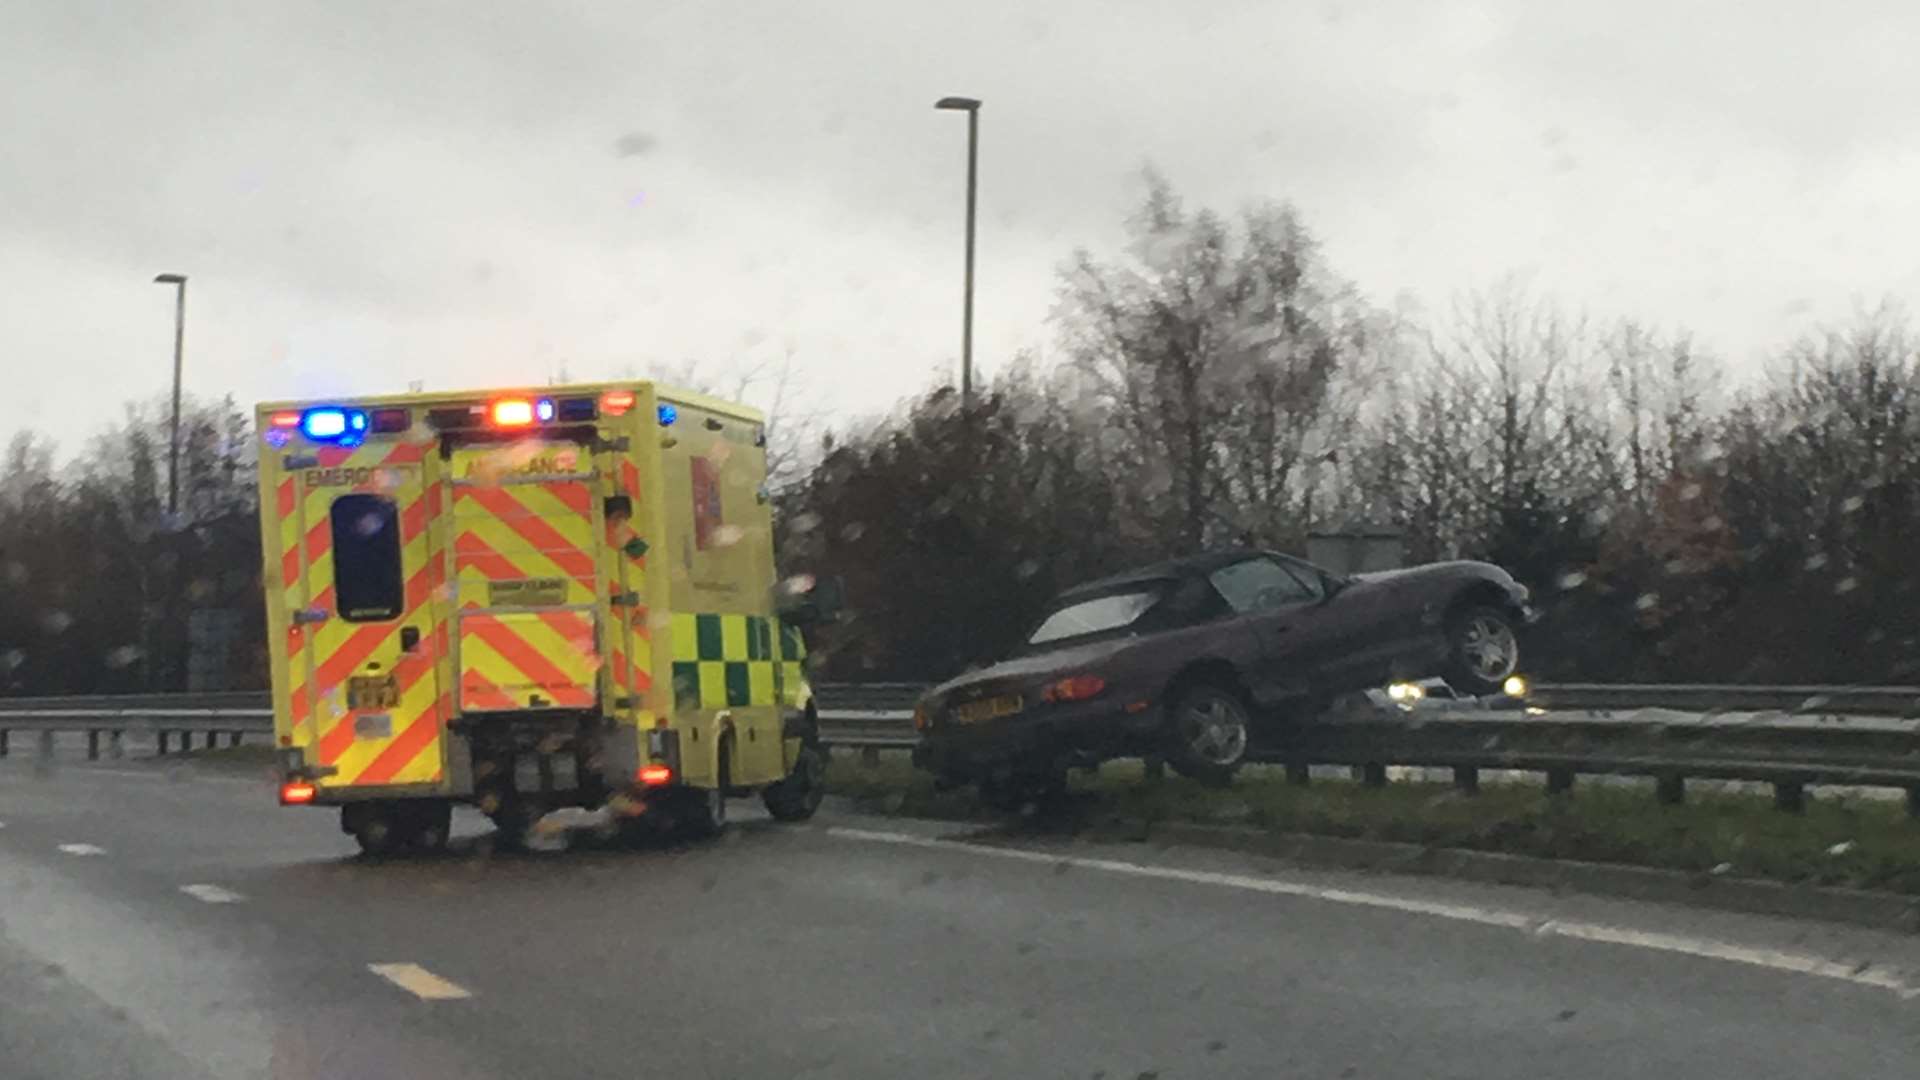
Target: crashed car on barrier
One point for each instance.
(1184, 659)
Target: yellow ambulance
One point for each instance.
(528, 600)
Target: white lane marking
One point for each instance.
(82, 849)
(1797, 963)
(419, 982)
(212, 894)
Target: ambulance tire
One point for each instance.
(426, 825)
(798, 794)
(512, 821)
(702, 812)
(375, 827)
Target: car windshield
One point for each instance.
(1098, 615)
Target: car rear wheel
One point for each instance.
(1208, 729)
(1483, 650)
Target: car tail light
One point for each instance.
(920, 718)
(1076, 688)
(297, 793)
(655, 774)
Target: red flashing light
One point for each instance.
(285, 420)
(297, 793)
(656, 774)
(512, 412)
(616, 402)
(1077, 688)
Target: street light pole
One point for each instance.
(970, 106)
(173, 428)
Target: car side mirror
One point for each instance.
(805, 600)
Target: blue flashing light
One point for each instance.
(668, 414)
(331, 424)
(543, 410)
(324, 425)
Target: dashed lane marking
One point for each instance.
(212, 894)
(419, 982)
(1798, 963)
(82, 849)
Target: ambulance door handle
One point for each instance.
(409, 638)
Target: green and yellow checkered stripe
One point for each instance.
(792, 664)
(724, 661)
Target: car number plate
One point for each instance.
(372, 692)
(974, 712)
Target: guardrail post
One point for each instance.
(93, 744)
(233, 738)
(46, 743)
(1790, 797)
(1467, 779)
(1371, 774)
(3, 741)
(212, 738)
(1671, 789)
(870, 756)
(1299, 774)
(116, 745)
(164, 734)
(1559, 781)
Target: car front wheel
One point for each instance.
(1208, 728)
(1483, 650)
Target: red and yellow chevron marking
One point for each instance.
(513, 660)
(405, 748)
(525, 578)
(512, 532)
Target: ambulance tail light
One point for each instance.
(616, 402)
(297, 793)
(655, 774)
(284, 420)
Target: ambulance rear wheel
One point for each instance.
(375, 827)
(426, 824)
(798, 795)
(702, 812)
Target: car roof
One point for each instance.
(1188, 566)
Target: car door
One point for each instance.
(1281, 610)
(1363, 628)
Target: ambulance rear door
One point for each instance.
(528, 583)
(365, 703)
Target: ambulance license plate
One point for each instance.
(372, 692)
(974, 712)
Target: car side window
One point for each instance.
(1261, 584)
(1311, 577)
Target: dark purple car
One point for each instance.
(1184, 658)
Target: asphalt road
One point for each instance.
(159, 924)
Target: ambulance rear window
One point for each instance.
(366, 558)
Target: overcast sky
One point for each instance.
(367, 194)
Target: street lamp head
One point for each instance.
(170, 279)
(962, 104)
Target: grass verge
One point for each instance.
(1846, 841)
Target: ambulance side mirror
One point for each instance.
(809, 601)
